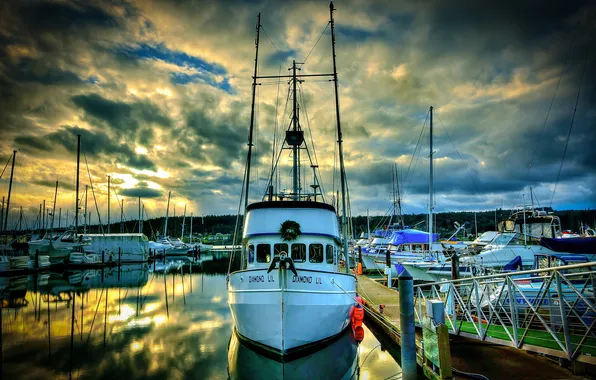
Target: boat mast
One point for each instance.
(140, 217)
(339, 142)
(1, 216)
(190, 236)
(122, 216)
(399, 213)
(183, 223)
(108, 204)
(165, 227)
(430, 187)
(367, 225)
(77, 184)
(54, 208)
(295, 128)
(252, 114)
(85, 228)
(14, 156)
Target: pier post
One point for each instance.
(103, 260)
(407, 327)
(454, 266)
(119, 256)
(37, 259)
(388, 268)
(164, 255)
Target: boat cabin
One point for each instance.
(315, 243)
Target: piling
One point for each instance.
(164, 255)
(407, 326)
(388, 267)
(37, 259)
(103, 260)
(454, 266)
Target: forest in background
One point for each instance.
(444, 221)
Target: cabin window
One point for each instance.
(299, 252)
(315, 253)
(279, 248)
(263, 253)
(251, 253)
(330, 255)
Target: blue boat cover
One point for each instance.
(570, 245)
(383, 233)
(410, 236)
(515, 264)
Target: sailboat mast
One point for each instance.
(399, 213)
(1, 216)
(367, 225)
(77, 183)
(54, 208)
(86, 220)
(252, 114)
(190, 236)
(165, 227)
(183, 223)
(108, 204)
(140, 217)
(339, 142)
(430, 186)
(14, 157)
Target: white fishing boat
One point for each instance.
(290, 293)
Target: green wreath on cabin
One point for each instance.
(290, 230)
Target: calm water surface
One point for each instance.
(137, 323)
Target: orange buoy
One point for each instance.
(359, 270)
(357, 318)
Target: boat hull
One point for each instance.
(283, 313)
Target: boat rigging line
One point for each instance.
(275, 47)
(316, 43)
(93, 192)
(553, 98)
(462, 161)
(570, 127)
(5, 166)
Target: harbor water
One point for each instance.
(135, 322)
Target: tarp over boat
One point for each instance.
(411, 236)
(570, 245)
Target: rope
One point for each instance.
(570, 128)
(93, 192)
(5, 166)
(275, 47)
(313, 48)
(461, 159)
(416, 148)
(553, 98)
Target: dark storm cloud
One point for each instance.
(93, 144)
(142, 192)
(52, 184)
(121, 117)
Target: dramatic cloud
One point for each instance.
(160, 93)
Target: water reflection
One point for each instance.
(339, 360)
(135, 323)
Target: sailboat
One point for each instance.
(291, 294)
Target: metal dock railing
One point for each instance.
(550, 311)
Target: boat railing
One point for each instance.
(550, 311)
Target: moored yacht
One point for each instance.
(290, 293)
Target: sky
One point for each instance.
(160, 92)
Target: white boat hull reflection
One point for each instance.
(284, 313)
(338, 360)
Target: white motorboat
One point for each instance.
(59, 246)
(290, 293)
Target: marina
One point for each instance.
(290, 190)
